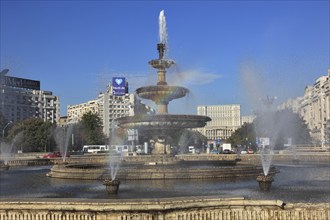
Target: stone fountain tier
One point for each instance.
(162, 123)
(161, 63)
(161, 93)
(180, 170)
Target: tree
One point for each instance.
(78, 136)
(244, 136)
(92, 129)
(291, 125)
(278, 126)
(281, 125)
(30, 135)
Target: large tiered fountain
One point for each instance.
(160, 127)
(162, 124)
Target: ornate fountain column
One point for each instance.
(161, 69)
(162, 108)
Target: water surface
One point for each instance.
(294, 183)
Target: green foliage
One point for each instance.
(78, 135)
(92, 129)
(278, 125)
(244, 136)
(30, 135)
(281, 125)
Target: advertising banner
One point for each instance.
(118, 86)
(20, 82)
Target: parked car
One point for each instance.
(56, 154)
(250, 152)
(226, 151)
(243, 152)
(52, 155)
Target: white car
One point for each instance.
(243, 152)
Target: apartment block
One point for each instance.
(314, 108)
(108, 107)
(22, 99)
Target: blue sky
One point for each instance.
(227, 52)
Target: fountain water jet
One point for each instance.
(267, 144)
(6, 151)
(62, 138)
(112, 184)
(5, 155)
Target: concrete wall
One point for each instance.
(160, 209)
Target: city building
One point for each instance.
(75, 112)
(225, 120)
(247, 119)
(109, 105)
(63, 121)
(22, 99)
(314, 108)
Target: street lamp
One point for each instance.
(3, 130)
(268, 101)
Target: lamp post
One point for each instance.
(268, 101)
(3, 130)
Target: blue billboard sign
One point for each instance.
(118, 86)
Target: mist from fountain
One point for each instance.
(266, 156)
(62, 137)
(183, 143)
(6, 149)
(254, 85)
(293, 149)
(114, 159)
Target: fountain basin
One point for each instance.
(161, 93)
(140, 171)
(161, 63)
(161, 123)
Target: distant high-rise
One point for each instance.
(22, 99)
(108, 106)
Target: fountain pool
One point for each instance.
(294, 183)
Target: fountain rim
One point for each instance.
(160, 88)
(162, 122)
(162, 117)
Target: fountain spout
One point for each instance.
(161, 50)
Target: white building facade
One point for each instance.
(225, 120)
(247, 119)
(108, 107)
(314, 108)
